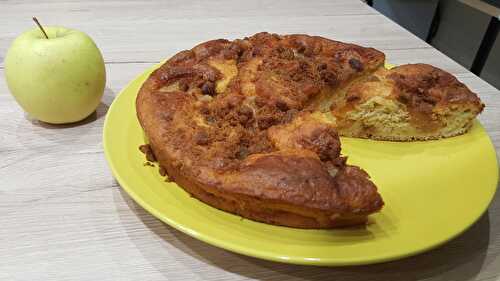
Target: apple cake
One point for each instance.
(251, 126)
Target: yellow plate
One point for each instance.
(433, 191)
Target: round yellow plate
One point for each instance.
(433, 191)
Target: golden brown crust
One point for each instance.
(207, 112)
(232, 122)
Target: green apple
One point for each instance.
(56, 80)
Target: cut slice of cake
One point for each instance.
(408, 102)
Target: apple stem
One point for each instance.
(41, 27)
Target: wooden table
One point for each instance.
(64, 217)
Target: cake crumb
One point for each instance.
(146, 149)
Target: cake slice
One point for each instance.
(405, 103)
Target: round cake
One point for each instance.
(252, 126)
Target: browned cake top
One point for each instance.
(424, 89)
(235, 116)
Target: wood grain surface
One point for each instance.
(64, 217)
